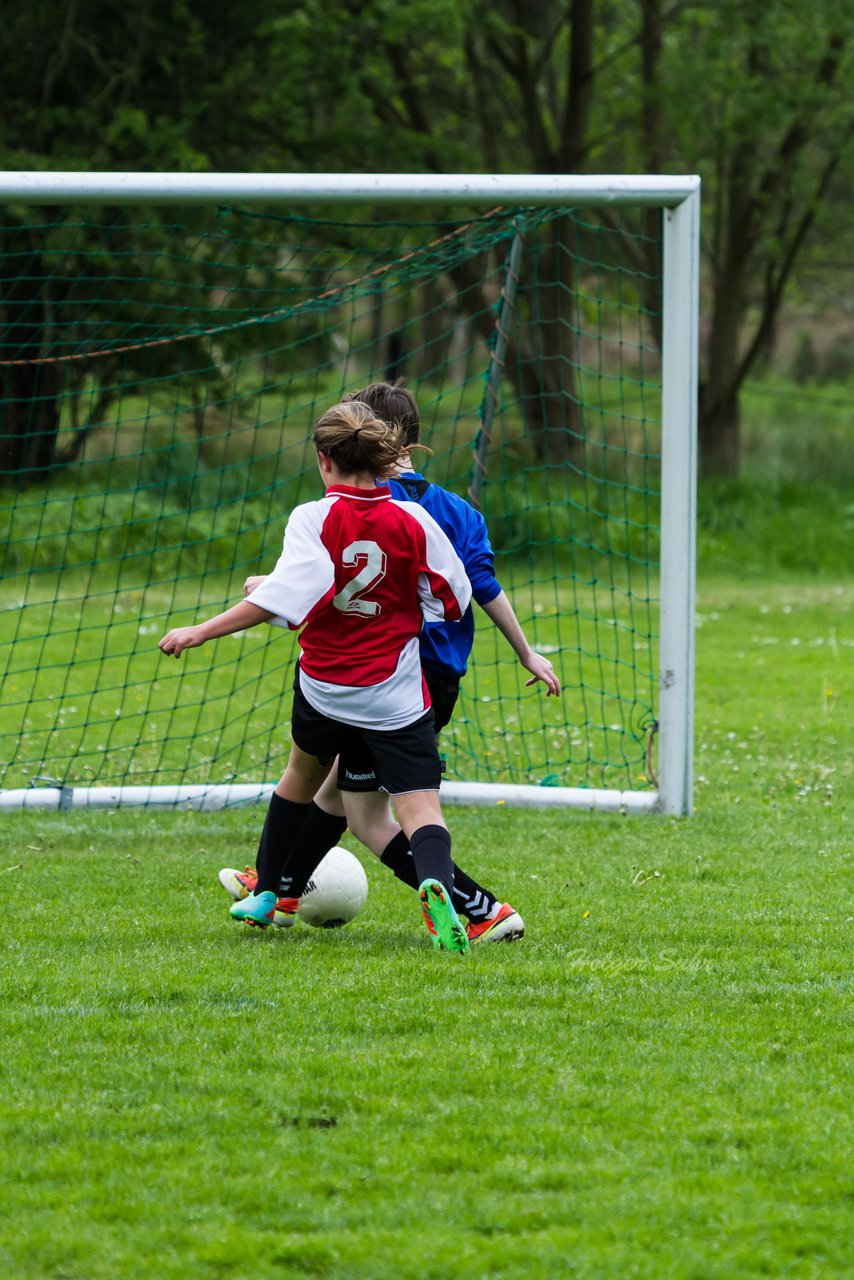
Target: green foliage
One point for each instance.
(792, 512)
(838, 363)
(144, 535)
(583, 524)
(158, 83)
(805, 360)
(765, 529)
(799, 435)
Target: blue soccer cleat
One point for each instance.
(258, 909)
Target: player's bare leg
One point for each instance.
(303, 777)
(370, 819)
(329, 798)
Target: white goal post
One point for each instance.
(679, 200)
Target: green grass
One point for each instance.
(655, 1083)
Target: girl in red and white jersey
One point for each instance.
(358, 574)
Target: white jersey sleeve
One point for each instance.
(444, 590)
(304, 575)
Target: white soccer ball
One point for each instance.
(336, 892)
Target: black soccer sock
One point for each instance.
(320, 832)
(398, 856)
(279, 835)
(470, 898)
(431, 849)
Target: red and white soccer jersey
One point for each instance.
(359, 572)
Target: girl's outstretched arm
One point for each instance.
(238, 618)
(501, 612)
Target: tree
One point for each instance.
(155, 82)
(504, 86)
(768, 129)
(750, 95)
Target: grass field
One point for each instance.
(656, 1083)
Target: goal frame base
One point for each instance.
(235, 794)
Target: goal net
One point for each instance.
(162, 362)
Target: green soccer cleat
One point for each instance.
(429, 925)
(258, 909)
(447, 932)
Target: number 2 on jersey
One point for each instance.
(351, 597)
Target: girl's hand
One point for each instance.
(543, 670)
(181, 638)
(251, 583)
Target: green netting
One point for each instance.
(160, 375)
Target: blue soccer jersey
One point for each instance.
(445, 646)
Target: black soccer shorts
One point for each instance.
(444, 691)
(393, 760)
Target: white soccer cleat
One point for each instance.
(505, 926)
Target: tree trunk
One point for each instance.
(554, 420)
(719, 418)
(431, 353)
(29, 391)
(719, 432)
(750, 192)
(546, 354)
(652, 141)
(29, 422)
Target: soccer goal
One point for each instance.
(166, 342)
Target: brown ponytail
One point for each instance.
(357, 441)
